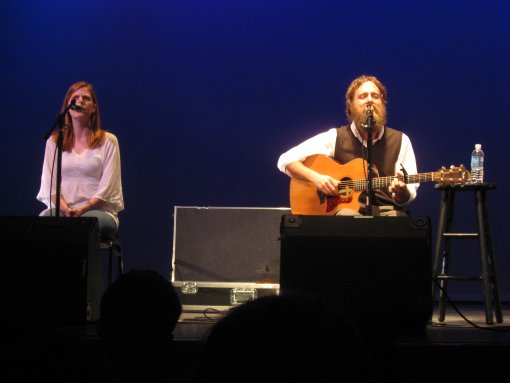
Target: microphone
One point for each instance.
(369, 110)
(369, 117)
(78, 108)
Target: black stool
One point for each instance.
(114, 248)
(445, 235)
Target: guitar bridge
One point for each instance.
(322, 196)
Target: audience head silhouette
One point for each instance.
(284, 338)
(138, 314)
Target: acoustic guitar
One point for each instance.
(306, 199)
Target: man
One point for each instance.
(391, 150)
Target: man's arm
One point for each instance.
(328, 185)
(404, 194)
(291, 162)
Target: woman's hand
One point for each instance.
(68, 212)
(79, 211)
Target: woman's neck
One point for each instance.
(81, 131)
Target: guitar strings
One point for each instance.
(380, 182)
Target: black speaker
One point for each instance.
(52, 271)
(375, 270)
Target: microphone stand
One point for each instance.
(369, 127)
(59, 124)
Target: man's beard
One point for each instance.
(379, 114)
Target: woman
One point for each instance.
(91, 178)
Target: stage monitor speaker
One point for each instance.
(52, 270)
(375, 270)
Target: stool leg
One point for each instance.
(489, 277)
(110, 264)
(441, 262)
(120, 262)
(492, 262)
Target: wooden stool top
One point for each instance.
(466, 187)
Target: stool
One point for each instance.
(445, 235)
(114, 251)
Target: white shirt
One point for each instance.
(94, 173)
(324, 143)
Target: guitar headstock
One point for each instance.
(454, 175)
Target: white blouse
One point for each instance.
(94, 173)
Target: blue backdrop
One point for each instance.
(205, 95)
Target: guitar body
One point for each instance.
(305, 198)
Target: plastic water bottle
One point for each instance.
(477, 158)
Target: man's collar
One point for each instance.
(356, 133)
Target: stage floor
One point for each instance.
(457, 349)
(450, 351)
(467, 326)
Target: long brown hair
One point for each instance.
(355, 84)
(96, 134)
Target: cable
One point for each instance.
(457, 310)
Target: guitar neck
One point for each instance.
(381, 182)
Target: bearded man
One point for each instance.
(392, 156)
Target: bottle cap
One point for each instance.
(478, 146)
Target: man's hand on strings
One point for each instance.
(326, 184)
(398, 189)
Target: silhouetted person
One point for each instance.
(284, 339)
(138, 314)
